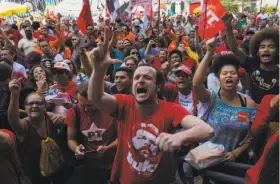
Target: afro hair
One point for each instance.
(264, 34)
(223, 60)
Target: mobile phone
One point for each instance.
(84, 42)
(90, 151)
(58, 101)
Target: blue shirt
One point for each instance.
(117, 55)
(231, 124)
(153, 52)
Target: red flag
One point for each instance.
(210, 22)
(85, 17)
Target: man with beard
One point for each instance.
(92, 137)
(123, 82)
(7, 28)
(28, 44)
(262, 66)
(143, 117)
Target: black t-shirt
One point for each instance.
(261, 82)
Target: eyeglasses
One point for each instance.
(133, 53)
(37, 103)
(73, 39)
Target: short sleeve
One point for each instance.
(179, 113)
(70, 117)
(123, 102)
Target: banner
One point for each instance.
(85, 17)
(139, 2)
(210, 22)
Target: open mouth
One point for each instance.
(141, 91)
(266, 56)
(229, 81)
(34, 110)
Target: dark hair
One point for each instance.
(176, 51)
(223, 60)
(5, 70)
(82, 89)
(33, 57)
(159, 77)
(128, 50)
(128, 71)
(263, 34)
(75, 71)
(35, 25)
(126, 39)
(32, 78)
(6, 61)
(35, 93)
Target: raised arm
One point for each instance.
(101, 60)
(148, 49)
(196, 43)
(17, 124)
(202, 93)
(232, 43)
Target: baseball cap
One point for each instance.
(61, 66)
(184, 69)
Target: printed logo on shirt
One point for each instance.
(94, 133)
(242, 116)
(143, 154)
(259, 81)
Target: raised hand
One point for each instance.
(211, 44)
(41, 82)
(227, 19)
(100, 55)
(15, 86)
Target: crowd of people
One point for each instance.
(125, 104)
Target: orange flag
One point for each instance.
(85, 17)
(210, 22)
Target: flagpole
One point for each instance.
(158, 17)
(205, 18)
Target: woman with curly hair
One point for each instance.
(41, 79)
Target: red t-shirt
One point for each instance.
(156, 63)
(70, 88)
(138, 159)
(189, 62)
(253, 174)
(97, 130)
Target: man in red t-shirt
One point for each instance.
(146, 124)
(96, 139)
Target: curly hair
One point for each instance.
(223, 60)
(32, 78)
(264, 34)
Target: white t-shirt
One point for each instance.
(19, 68)
(186, 101)
(27, 45)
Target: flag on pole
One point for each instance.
(113, 6)
(210, 22)
(85, 17)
